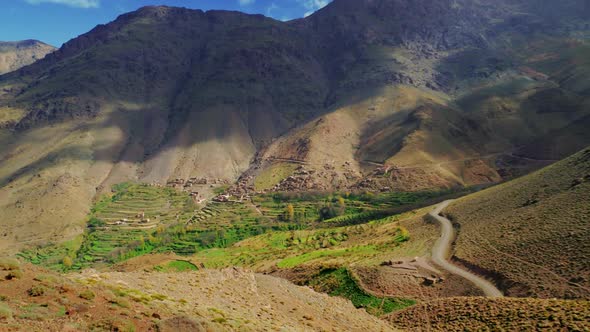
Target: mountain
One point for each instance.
(14, 55)
(363, 95)
(536, 226)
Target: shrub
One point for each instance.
(45, 278)
(36, 291)
(123, 303)
(88, 295)
(95, 222)
(8, 264)
(67, 262)
(5, 311)
(15, 274)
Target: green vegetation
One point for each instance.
(138, 219)
(133, 294)
(177, 266)
(47, 279)
(5, 311)
(41, 311)
(54, 256)
(36, 290)
(298, 260)
(273, 175)
(293, 248)
(9, 264)
(87, 295)
(12, 267)
(338, 282)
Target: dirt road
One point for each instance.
(442, 250)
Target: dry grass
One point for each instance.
(236, 300)
(506, 314)
(45, 301)
(531, 233)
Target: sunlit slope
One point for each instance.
(14, 55)
(531, 233)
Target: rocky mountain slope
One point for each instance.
(362, 95)
(14, 55)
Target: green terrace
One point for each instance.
(137, 219)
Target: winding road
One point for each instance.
(442, 250)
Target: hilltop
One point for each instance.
(14, 55)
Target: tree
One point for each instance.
(327, 212)
(141, 242)
(290, 212)
(67, 262)
(341, 205)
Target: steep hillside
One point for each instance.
(531, 234)
(14, 55)
(461, 314)
(362, 95)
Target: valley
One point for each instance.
(377, 165)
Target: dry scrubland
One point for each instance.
(506, 314)
(236, 300)
(35, 299)
(531, 234)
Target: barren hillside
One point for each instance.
(531, 234)
(228, 300)
(14, 55)
(460, 314)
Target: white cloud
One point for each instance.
(246, 2)
(71, 3)
(273, 6)
(312, 5)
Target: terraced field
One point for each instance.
(125, 218)
(138, 219)
(370, 243)
(140, 206)
(216, 215)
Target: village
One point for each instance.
(201, 189)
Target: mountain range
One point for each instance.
(179, 169)
(365, 95)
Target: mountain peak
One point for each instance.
(17, 54)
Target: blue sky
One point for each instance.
(57, 21)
